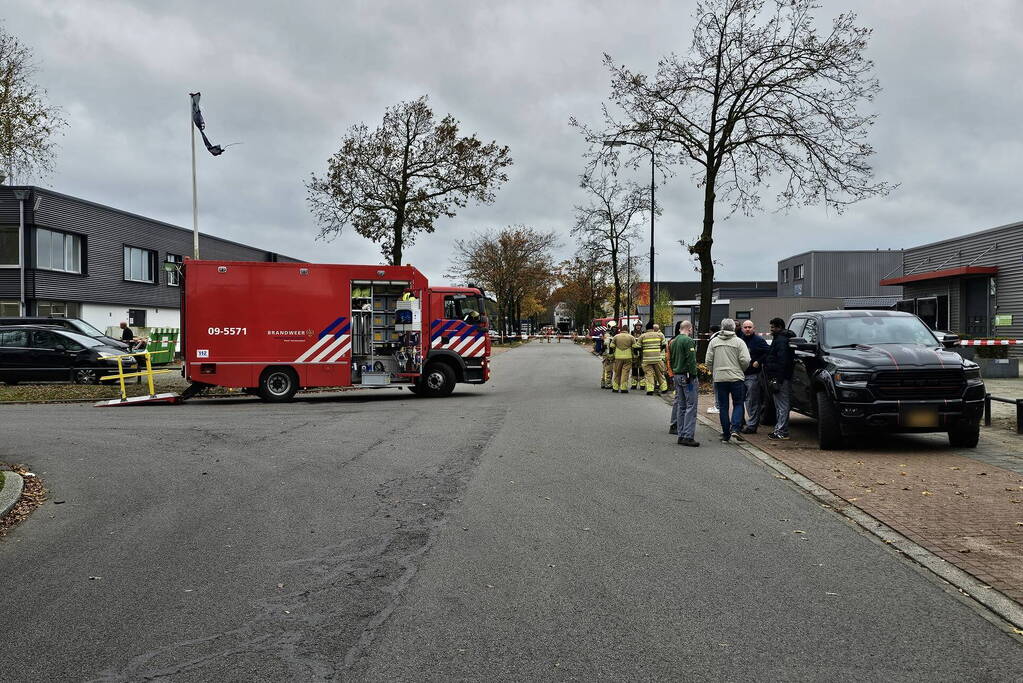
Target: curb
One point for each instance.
(11, 492)
(1003, 606)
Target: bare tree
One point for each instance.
(761, 96)
(394, 182)
(28, 122)
(516, 264)
(608, 221)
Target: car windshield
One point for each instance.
(86, 328)
(870, 330)
(87, 342)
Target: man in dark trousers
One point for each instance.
(754, 384)
(778, 372)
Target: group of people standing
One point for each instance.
(742, 364)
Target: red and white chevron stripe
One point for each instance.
(990, 342)
(468, 346)
(328, 349)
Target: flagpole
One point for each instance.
(195, 201)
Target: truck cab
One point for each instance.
(869, 371)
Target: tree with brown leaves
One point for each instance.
(393, 183)
(515, 264)
(761, 96)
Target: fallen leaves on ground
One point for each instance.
(33, 494)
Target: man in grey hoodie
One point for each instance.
(727, 359)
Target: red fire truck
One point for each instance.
(273, 328)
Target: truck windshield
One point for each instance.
(466, 307)
(870, 330)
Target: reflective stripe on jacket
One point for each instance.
(652, 343)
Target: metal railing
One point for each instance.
(1018, 402)
(147, 373)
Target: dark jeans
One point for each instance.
(736, 391)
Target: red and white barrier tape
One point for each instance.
(990, 342)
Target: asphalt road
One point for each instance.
(533, 528)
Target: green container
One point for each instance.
(163, 342)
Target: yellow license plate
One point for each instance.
(920, 417)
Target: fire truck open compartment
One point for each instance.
(384, 350)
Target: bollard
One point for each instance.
(1019, 415)
(987, 410)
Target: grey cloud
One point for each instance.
(287, 80)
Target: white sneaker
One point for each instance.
(713, 410)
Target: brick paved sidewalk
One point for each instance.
(965, 510)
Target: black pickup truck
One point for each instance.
(864, 371)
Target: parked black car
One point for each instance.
(864, 371)
(43, 353)
(71, 324)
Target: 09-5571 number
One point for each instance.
(227, 331)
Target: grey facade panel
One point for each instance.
(1000, 247)
(841, 273)
(762, 309)
(105, 232)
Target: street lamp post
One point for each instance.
(650, 149)
(628, 279)
(21, 194)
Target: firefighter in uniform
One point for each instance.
(607, 359)
(652, 344)
(637, 356)
(622, 344)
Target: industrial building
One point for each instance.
(66, 256)
(854, 276)
(971, 285)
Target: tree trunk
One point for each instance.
(617, 281)
(702, 249)
(398, 227)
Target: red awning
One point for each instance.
(941, 274)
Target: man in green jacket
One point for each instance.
(682, 355)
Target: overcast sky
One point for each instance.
(288, 79)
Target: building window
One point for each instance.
(797, 272)
(58, 251)
(10, 309)
(743, 315)
(58, 309)
(174, 276)
(139, 264)
(9, 246)
(137, 317)
(784, 275)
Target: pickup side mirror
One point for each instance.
(800, 344)
(950, 340)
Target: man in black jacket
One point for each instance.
(754, 383)
(778, 363)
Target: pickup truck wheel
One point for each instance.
(965, 436)
(829, 433)
(278, 385)
(437, 381)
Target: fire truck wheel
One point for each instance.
(277, 385)
(438, 380)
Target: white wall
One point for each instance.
(106, 317)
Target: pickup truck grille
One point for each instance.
(915, 385)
